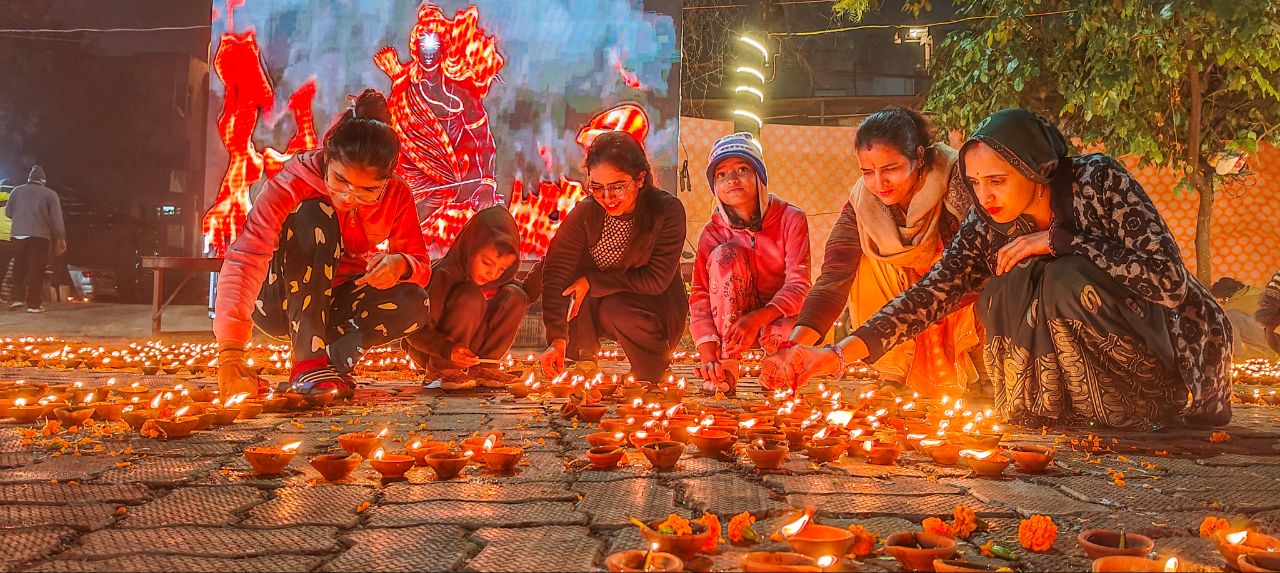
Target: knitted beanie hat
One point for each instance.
(741, 145)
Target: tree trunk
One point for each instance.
(1204, 218)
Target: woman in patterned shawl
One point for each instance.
(1091, 315)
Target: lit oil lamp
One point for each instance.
(270, 460)
(989, 463)
(420, 450)
(500, 459)
(779, 561)
(180, 425)
(1233, 545)
(1031, 459)
(391, 466)
(362, 443)
(817, 541)
(23, 413)
(767, 455)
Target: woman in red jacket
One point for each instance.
(306, 267)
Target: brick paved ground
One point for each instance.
(191, 504)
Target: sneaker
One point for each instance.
(452, 379)
(15, 305)
(318, 381)
(492, 377)
(347, 388)
(35, 310)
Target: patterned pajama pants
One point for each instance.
(299, 301)
(731, 282)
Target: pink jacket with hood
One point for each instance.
(393, 219)
(779, 259)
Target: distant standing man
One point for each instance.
(7, 249)
(37, 224)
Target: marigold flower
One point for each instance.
(964, 521)
(739, 528)
(937, 526)
(1219, 437)
(1037, 533)
(675, 525)
(1212, 524)
(712, 522)
(985, 548)
(864, 542)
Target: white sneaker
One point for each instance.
(35, 310)
(432, 385)
(15, 305)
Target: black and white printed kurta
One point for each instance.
(1111, 221)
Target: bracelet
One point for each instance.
(840, 355)
(1053, 227)
(786, 344)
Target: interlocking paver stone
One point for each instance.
(1029, 498)
(419, 548)
(828, 483)
(610, 504)
(86, 516)
(197, 505)
(564, 555)
(892, 505)
(319, 505)
(24, 545)
(205, 542)
(186, 564)
(48, 493)
(158, 471)
(727, 494)
(476, 514)
(60, 468)
(463, 491)
(1104, 492)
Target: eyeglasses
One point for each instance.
(615, 189)
(349, 193)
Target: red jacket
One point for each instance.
(393, 219)
(779, 256)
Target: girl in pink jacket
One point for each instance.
(751, 272)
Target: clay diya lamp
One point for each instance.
(629, 392)
(501, 460)
(605, 457)
(798, 437)
(860, 445)
(128, 393)
(420, 451)
(601, 439)
(225, 416)
(23, 413)
(825, 450)
(607, 389)
(520, 390)
(49, 407)
(109, 411)
(249, 409)
(322, 400)
(447, 465)
(149, 369)
(640, 439)
(958, 566)
(917, 550)
(269, 461)
(1127, 564)
(591, 413)
(1266, 562)
(569, 410)
(362, 443)
(560, 390)
(943, 452)
(782, 561)
(679, 432)
(767, 455)
(663, 455)
(391, 466)
(72, 417)
(711, 443)
(686, 547)
(1031, 459)
(179, 426)
(335, 467)
(989, 463)
(818, 541)
(882, 454)
(476, 443)
(1098, 543)
(613, 425)
(136, 418)
(204, 420)
(273, 404)
(635, 560)
(294, 400)
(1235, 544)
(981, 440)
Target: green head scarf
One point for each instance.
(1025, 140)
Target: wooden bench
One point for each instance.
(191, 265)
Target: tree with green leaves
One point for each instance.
(1185, 84)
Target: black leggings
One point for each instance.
(299, 301)
(648, 327)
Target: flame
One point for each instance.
(642, 435)
(292, 446)
(748, 424)
(20, 402)
(1171, 564)
(840, 418)
(155, 402)
(930, 443)
(415, 445)
(826, 561)
(866, 445)
(88, 398)
(1237, 537)
(488, 444)
(821, 434)
(181, 411)
(976, 454)
(796, 526)
(382, 433)
(378, 454)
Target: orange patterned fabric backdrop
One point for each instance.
(814, 168)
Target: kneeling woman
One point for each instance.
(613, 268)
(301, 269)
(1091, 315)
(476, 305)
